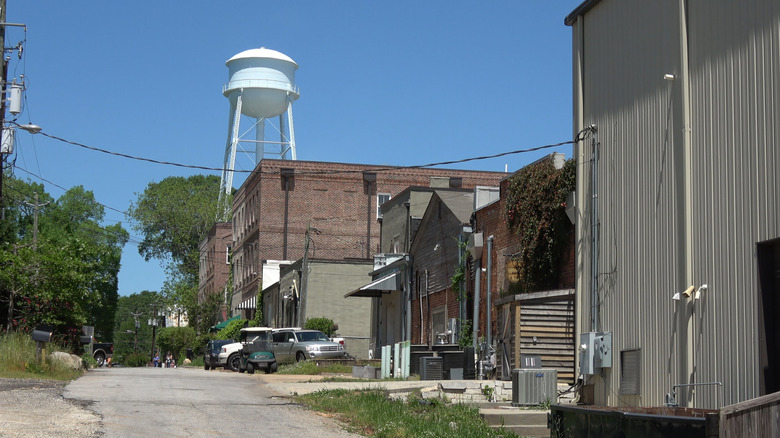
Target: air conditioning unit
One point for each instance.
(534, 386)
(431, 368)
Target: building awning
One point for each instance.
(251, 303)
(224, 324)
(382, 285)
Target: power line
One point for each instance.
(64, 189)
(324, 172)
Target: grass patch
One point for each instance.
(372, 413)
(310, 368)
(17, 360)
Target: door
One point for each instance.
(769, 307)
(283, 342)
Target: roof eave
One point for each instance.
(582, 9)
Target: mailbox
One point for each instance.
(84, 340)
(41, 335)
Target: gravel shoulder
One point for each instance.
(36, 408)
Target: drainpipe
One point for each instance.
(686, 347)
(594, 223)
(488, 285)
(477, 275)
(578, 29)
(370, 180)
(286, 174)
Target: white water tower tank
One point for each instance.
(267, 78)
(261, 86)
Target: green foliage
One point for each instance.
(488, 392)
(459, 277)
(89, 360)
(136, 360)
(173, 215)
(257, 321)
(176, 340)
(143, 305)
(466, 338)
(232, 330)
(535, 210)
(310, 368)
(64, 272)
(17, 359)
(373, 413)
(325, 325)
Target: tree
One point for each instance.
(59, 265)
(141, 304)
(174, 215)
(176, 340)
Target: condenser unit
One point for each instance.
(534, 386)
(431, 368)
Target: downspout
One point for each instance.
(407, 336)
(428, 324)
(477, 292)
(594, 223)
(408, 269)
(286, 212)
(370, 180)
(368, 223)
(422, 320)
(488, 285)
(578, 31)
(687, 348)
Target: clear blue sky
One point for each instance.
(392, 83)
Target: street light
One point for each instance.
(31, 128)
(7, 148)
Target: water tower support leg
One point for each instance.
(292, 131)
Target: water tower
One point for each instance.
(261, 86)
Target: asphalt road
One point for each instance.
(190, 402)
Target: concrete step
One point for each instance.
(524, 422)
(528, 431)
(494, 416)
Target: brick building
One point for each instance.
(214, 262)
(528, 323)
(336, 202)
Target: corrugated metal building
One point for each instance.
(685, 98)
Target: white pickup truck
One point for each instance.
(230, 356)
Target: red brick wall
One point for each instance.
(214, 272)
(422, 334)
(333, 198)
(490, 221)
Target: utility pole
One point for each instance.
(137, 325)
(3, 81)
(304, 280)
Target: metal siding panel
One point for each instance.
(625, 95)
(734, 77)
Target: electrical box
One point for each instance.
(7, 145)
(595, 352)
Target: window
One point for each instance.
(381, 198)
(439, 319)
(629, 372)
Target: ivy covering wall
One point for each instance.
(536, 210)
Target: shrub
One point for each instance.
(136, 359)
(324, 325)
